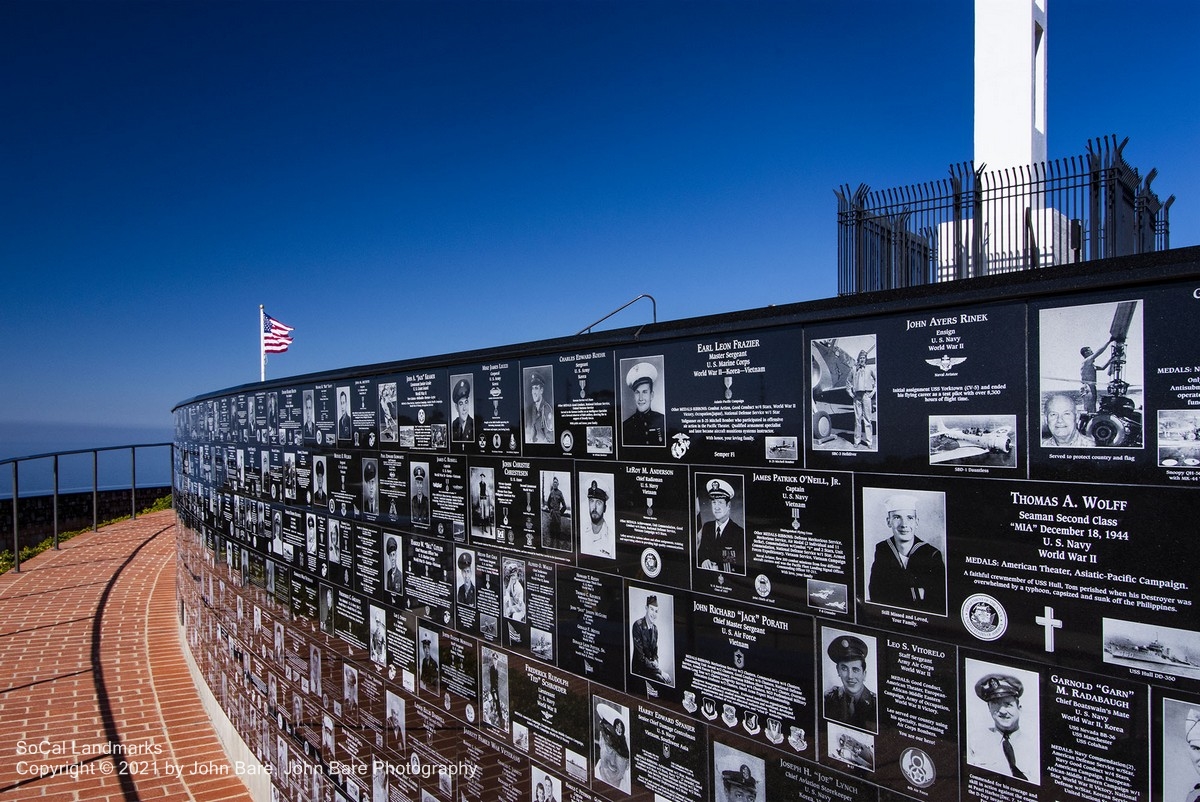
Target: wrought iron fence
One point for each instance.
(16, 462)
(977, 222)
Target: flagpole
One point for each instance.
(262, 345)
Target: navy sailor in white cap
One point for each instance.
(645, 427)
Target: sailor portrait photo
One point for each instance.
(1092, 376)
(1181, 751)
(611, 740)
(643, 402)
(905, 536)
(737, 775)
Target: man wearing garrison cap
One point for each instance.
(463, 428)
(852, 702)
(644, 426)
(539, 417)
(392, 580)
(466, 579)
(1004, 748)
(907, 572)
(722, 543)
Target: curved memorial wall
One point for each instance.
(935, 546)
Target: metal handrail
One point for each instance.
(653, 306)
(54, 455)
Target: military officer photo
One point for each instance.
(645, 425)
(846, 672)
(721, 543)
(392, 581)
(463, 428)
(1003, 737)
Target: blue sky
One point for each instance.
(402, 179)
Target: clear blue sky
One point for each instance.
(403, 179)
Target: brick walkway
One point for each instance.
(91, 657)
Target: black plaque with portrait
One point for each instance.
(550, 714)
(584, 404)
(730, 398)
(668, 752)
(422, 421)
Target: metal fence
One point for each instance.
(978, 223)
(16, 462)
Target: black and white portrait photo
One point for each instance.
(557, 525)
(597, 524)
(610, 724)
(1092, 376)
(848, 679)
(904, 544)
(652, 635)
(419, 493)
(393, 578)
(1003, 713)
(737, 775)
(720, 509)
(388, 424)
(494, 682)
(643, 402)
(482, 489)
(845, 387)
(538, 383)
(427, 659)
(462, 429)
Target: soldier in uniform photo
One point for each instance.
(645, 660)
(320, 494)
(392, 580)
(644, 426)
(466, 579)
(539, 417)
(851, 702)
(722, 542)
(310, 419)
(556, 506)
(907, 571)
(1005, 747)
(429, 664)
(463, 428)
(420, 496)
(343, 408)
(1191, 736)
(370, 490)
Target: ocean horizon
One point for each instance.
(21, 439)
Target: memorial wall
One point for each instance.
(932, 547)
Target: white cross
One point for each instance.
(1049, 623)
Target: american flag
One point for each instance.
(276, 337)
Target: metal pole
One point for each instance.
(56, 501)
(95, 494)
(16, 533)
(133, 482)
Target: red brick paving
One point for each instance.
(108, 595)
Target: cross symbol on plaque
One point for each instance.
(1049, 623)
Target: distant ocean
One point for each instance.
(75, 472)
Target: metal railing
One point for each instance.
(15, 463)
(978, 223)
